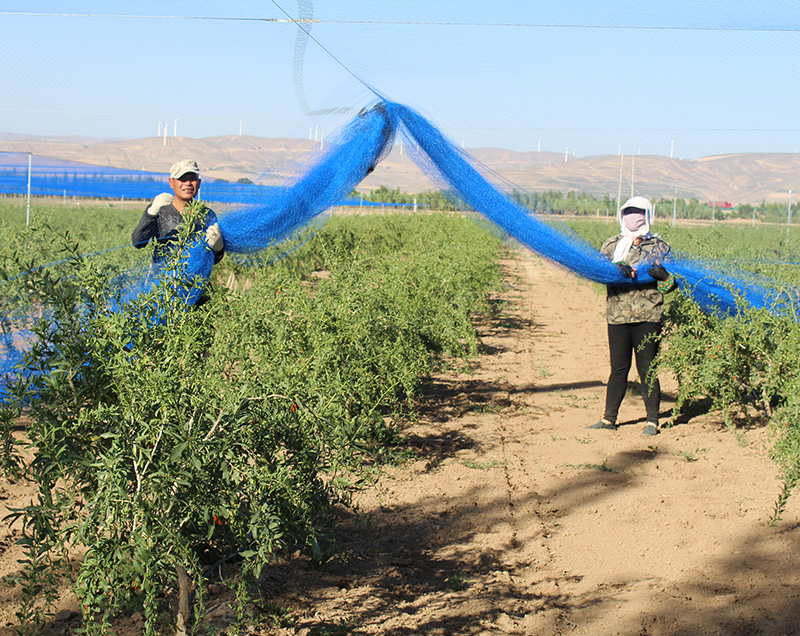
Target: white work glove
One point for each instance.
(214, 238)
(165, 198)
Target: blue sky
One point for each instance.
(695, 77)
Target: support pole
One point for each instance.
(28, 214)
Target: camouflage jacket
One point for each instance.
(641, 303)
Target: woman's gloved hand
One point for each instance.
(658, 272)
(626, 270)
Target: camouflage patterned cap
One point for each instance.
(181, 168)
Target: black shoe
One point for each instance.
(604, 424)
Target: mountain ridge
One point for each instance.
(737, 177)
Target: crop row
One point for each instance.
(162, 441)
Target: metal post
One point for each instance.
(789, 213)
(28, 214)
(674, 205)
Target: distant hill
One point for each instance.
(738, 178)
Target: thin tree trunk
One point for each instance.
(183, 600)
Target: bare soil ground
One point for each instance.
(513, 518)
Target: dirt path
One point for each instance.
(516, 519)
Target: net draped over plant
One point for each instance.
(364, 141)
(160, 440)
(359, 147)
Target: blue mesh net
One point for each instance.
(360, 145)
(357, 150)
(456, 171)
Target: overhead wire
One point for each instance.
(303, 36)
(307, 33)
(533, 25)
(304, 23)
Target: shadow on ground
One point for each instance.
(421, 569)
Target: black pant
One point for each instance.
(635, 338)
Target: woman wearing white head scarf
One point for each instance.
(634, 312)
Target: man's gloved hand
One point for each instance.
(165, 198)
(626, 270)
(214, 238)
(658, 272)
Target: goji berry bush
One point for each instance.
(162, 440)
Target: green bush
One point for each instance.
(744, 364)
(162, 439)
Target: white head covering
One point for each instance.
(625, 243)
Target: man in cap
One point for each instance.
(161, 219)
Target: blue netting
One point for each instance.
(361, 145)
(457, 172)
(254, 227)
(358, 148)
(187, 278)
(54, 177)
(13, 344)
